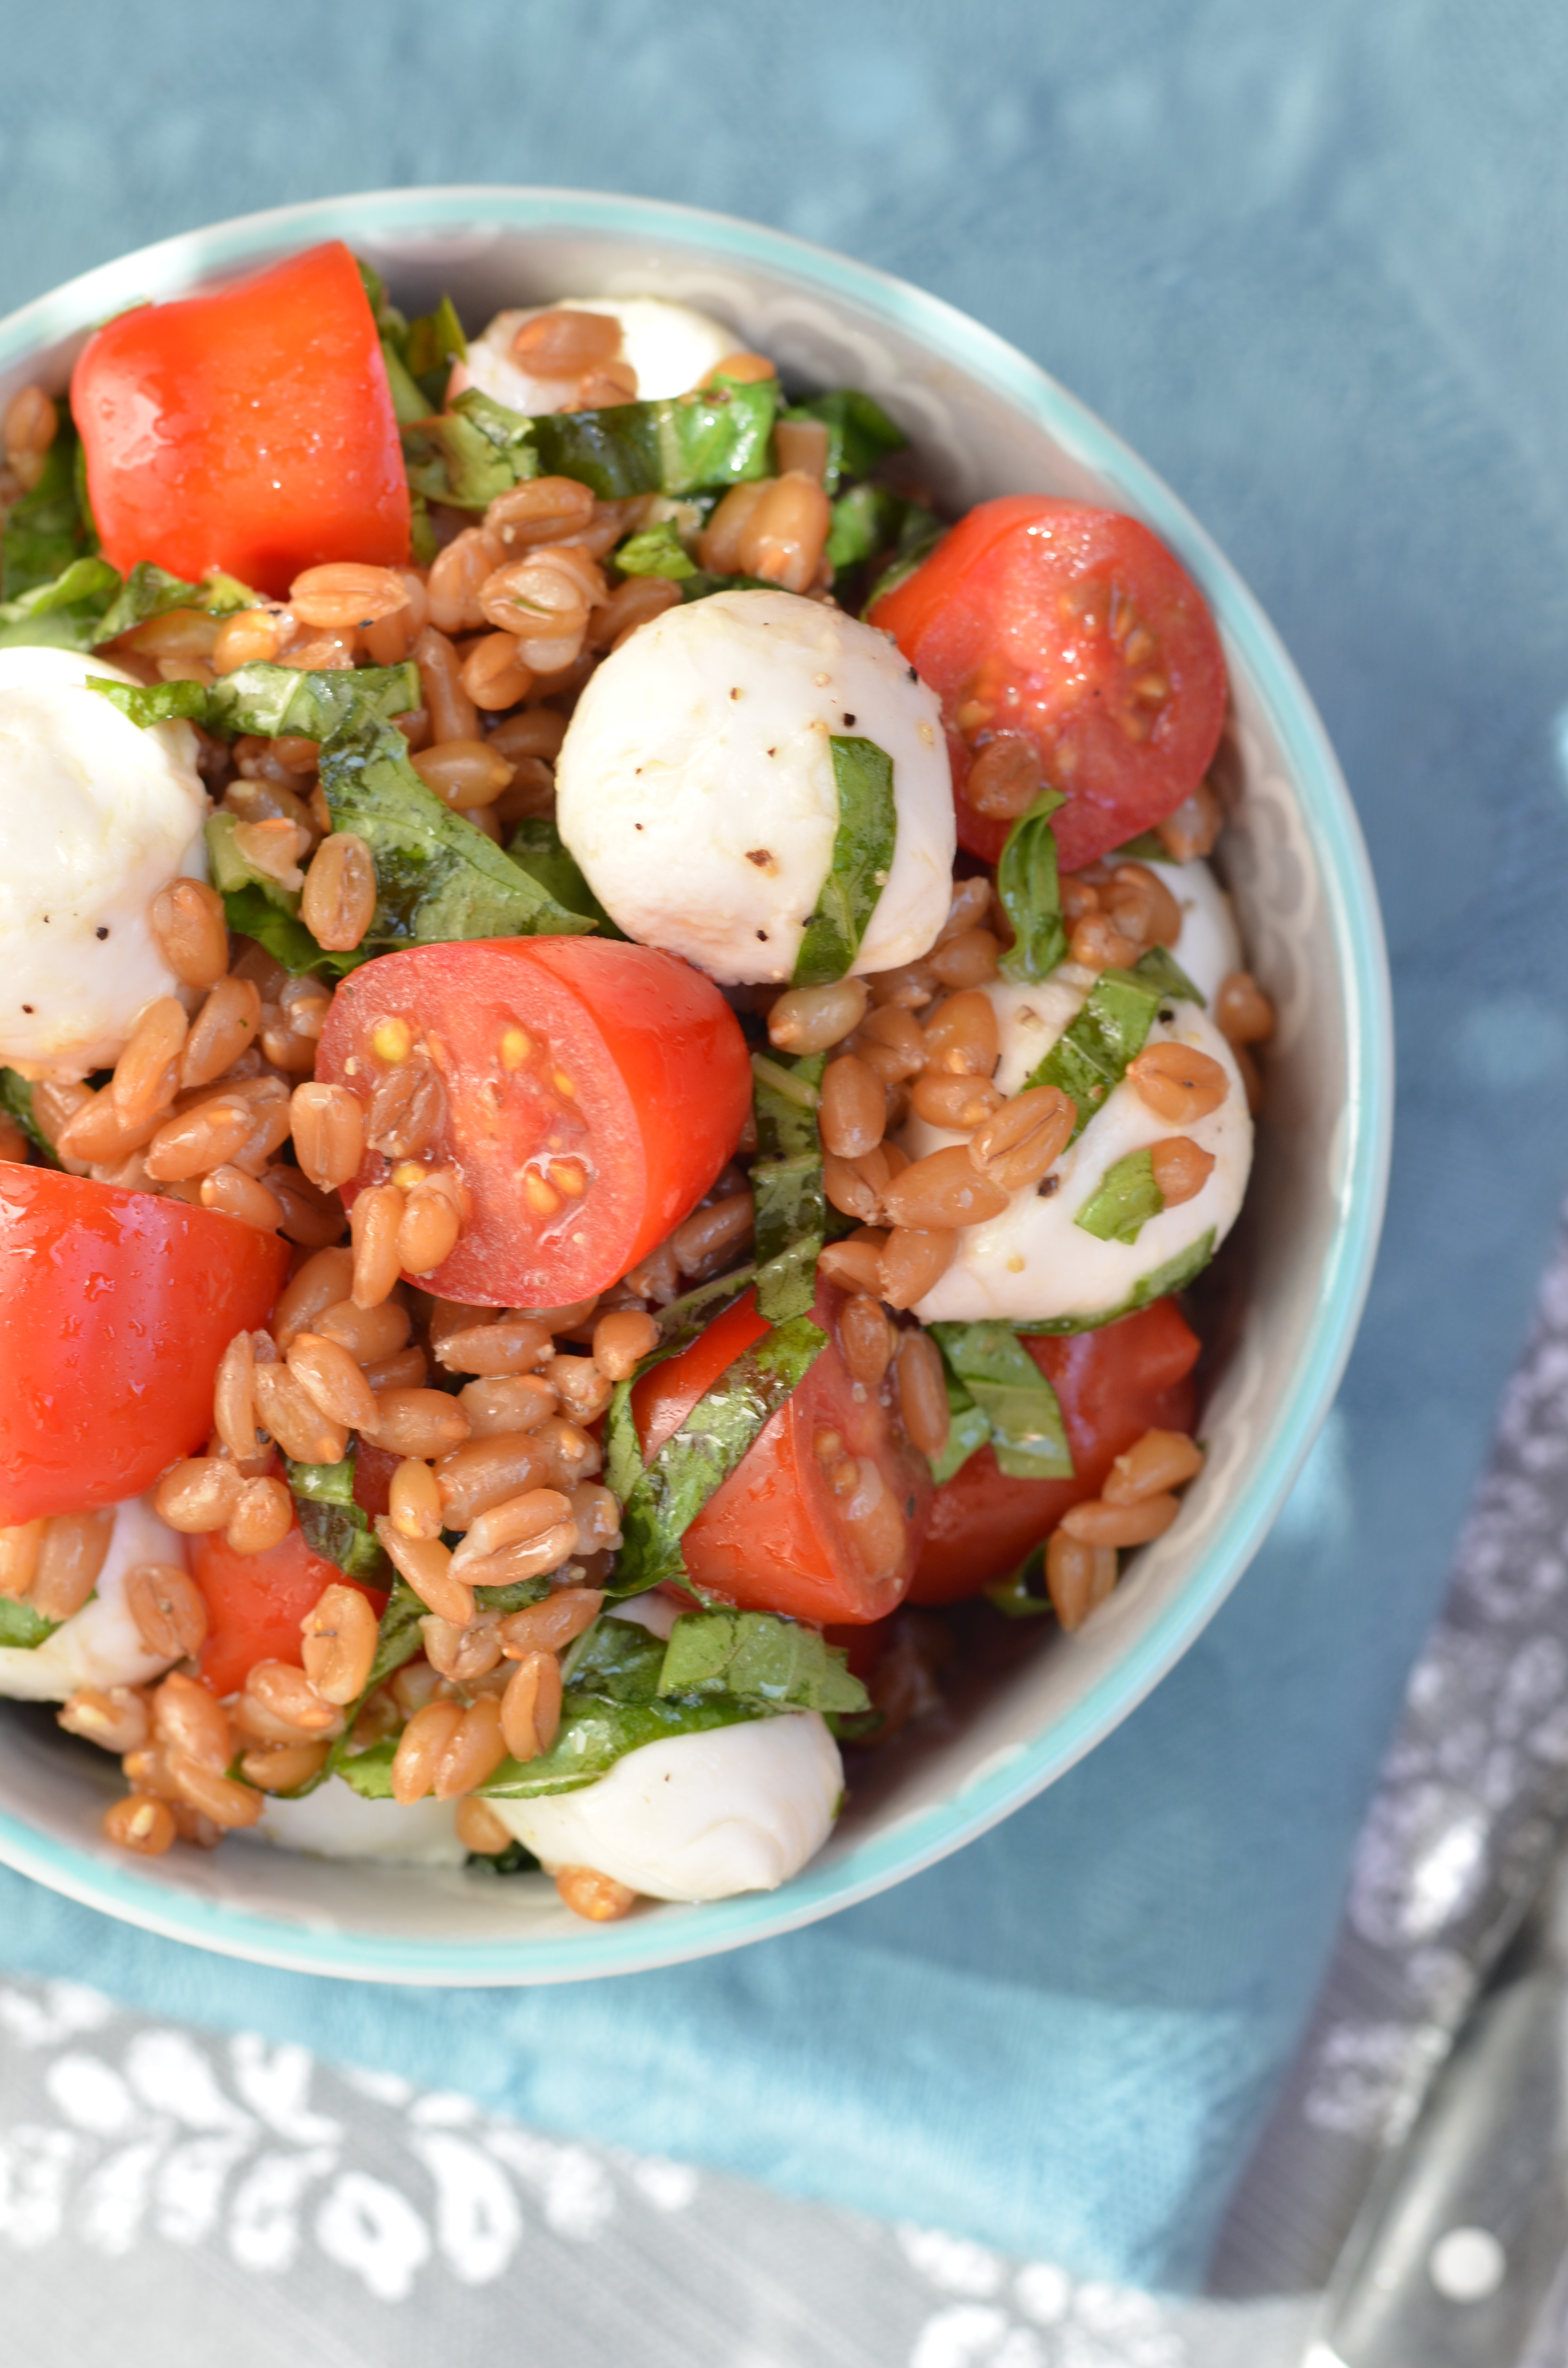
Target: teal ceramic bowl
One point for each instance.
(986, 421)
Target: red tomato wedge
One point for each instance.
(588, 1092)
(115, 1308)
(1113, 1385)
(255, 1602)
(1077, 628)
(252, 430)
(775, 1536)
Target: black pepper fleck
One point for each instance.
(1049, 1185)
(1168, 1018)
(759, 856)
(913, 675)
(102, 929)
(736, 692)
(849, 721)
(27, 1008)
(762, 935)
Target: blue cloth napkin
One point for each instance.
(1313, 265)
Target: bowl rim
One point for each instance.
(909, 1844)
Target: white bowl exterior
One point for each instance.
(986, 422)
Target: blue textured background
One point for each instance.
(1312, 262)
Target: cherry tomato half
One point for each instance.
(255, 1602)
(1113, 1385)
(1078, 629)
(252, 430)
(589, 1093)
(115, 1308)
(794, 1528)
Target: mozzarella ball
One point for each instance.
(95, 817)
(671, 349)
(696, 784)
(1033, 1261)
(697, 1816)
(336, 1822)
(100, 1645)
(1210, 946)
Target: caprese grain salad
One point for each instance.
(617, 1042)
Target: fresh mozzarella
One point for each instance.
(656, 1612)
(1033, 1260)
(336, 1822)
(1209, 947)
(696, 784)
(671, 349)
(95, 815)
(697, 1816)
(100, 1645)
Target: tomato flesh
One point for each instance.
(773, 1536)
(1078, 629)
(1113, 1385)
(255, 1602)
(252, 430)
(590, 1092)
(115, 1308)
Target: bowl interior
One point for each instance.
(1287, 1291)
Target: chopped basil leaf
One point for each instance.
(431, 343)
(657, 550)
(1017, 1595)
(862, 858)
(758, 1656)
(1161, 966)
(612, 1704)
(48, 528)
(251, 913)
(789, 1206)
(155, 703)
(681, 445)
(1090, 1057)
(63, 613)
(467, 456)
(684, 1318)
(918, 540)
(23, 1630)
(967, 1429)
(539, 848)
(438, 878)
(1124, 1200)
(666, 1495)
(1174, 1275)
(859, 432)
(268, 701)
(89, 604)
(1009, 1388)
(1147, 847)
(866, 520)
(1031, 892)
(701, 585)
(17, 1103)
(410, 404)
(382, 310)
(334, 1526)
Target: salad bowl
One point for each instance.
(1281, 1307)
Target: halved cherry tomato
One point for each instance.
(774, 1537)
(252, 430)
(589, 1093)
(255, 1602)
(1078, 629)
(1113, 1385)
(115, 1308)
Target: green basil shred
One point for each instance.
(862, 859)
(660, 1499)
(787, 1198)
(17, 1103)
(1031, 891)
(23, 1630)
(681, 444)
(1091, 1057)
(335, 1527)
(859, 433)
(1002, 1383)
(1125, 1199)
(1174, 1275)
